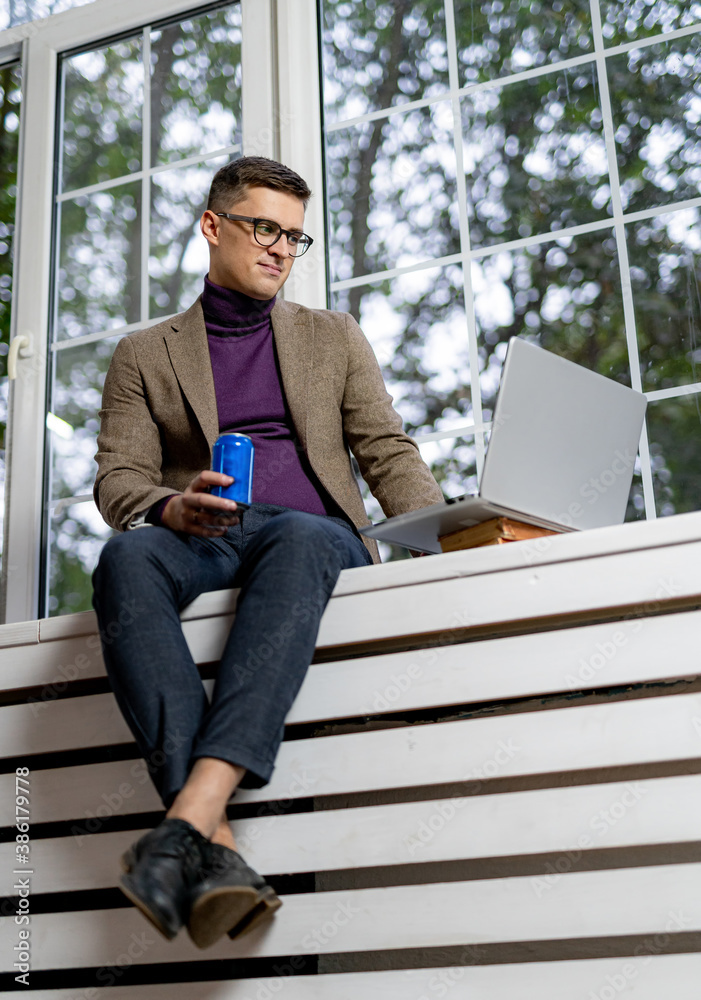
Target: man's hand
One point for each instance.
(198, 513)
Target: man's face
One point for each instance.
(237, 261)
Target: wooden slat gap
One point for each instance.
(519, 783)
(205, 970)
(551, 865)
(84, 826)
(510, 952)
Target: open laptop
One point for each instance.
(561, 454)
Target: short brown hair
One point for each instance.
(230, 182)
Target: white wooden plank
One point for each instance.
(648, 976)
(562, 822)
(19, 634)
(607, 735)
(216, 602)
(641, 901)
(67, 626)
(634, 651)
(50, 664)
(44, 725)
(643, 581)
(631, 652)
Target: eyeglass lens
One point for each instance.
(267, 233)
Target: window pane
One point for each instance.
(452, 462)
(103, 108)
(565, 295)
(379, 55)
(79, 375)
(625, 20)
(534, 157)
(656, 98)
(393, 200)
(674, 428)
(501, 37)
(76, 536)
(196, 86)
(664, 257)
(10, 99)
(23, 11)
(76, 531)
(99, 277)
(416, 325)
(178, 258)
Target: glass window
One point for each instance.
(14, 12)
(502, 37)
(624, 20)
(474, 194)
(146, 121)
(656, 104)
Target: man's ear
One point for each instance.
(209, 227)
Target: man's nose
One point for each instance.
(280, 248)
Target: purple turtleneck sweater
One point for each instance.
(250, 400)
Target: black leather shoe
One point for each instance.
(161, 872)
(228, 897)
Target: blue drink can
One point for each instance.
(233, 455)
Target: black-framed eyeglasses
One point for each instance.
(267, 233)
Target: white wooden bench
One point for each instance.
(490, 787)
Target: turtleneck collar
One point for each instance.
(228, 313)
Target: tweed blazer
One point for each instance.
(159, 415)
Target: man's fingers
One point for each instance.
(211, 522)
(205, 502)
(209, 478)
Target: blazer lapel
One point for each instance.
(293, 331)
(189, 354)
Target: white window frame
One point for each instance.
(281, 119)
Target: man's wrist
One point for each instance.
(155, 513)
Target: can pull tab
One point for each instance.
(20, 347)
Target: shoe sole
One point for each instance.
(265, 909)
(125, 884)
(230, 910)
(151, 915)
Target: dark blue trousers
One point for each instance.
(286, 564)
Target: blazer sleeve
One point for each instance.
(389, 460)
(129, 457)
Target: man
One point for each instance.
(305, 385)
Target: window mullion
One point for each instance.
(146, 178)
(299, 129)
(461, 185)
(623, 262)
